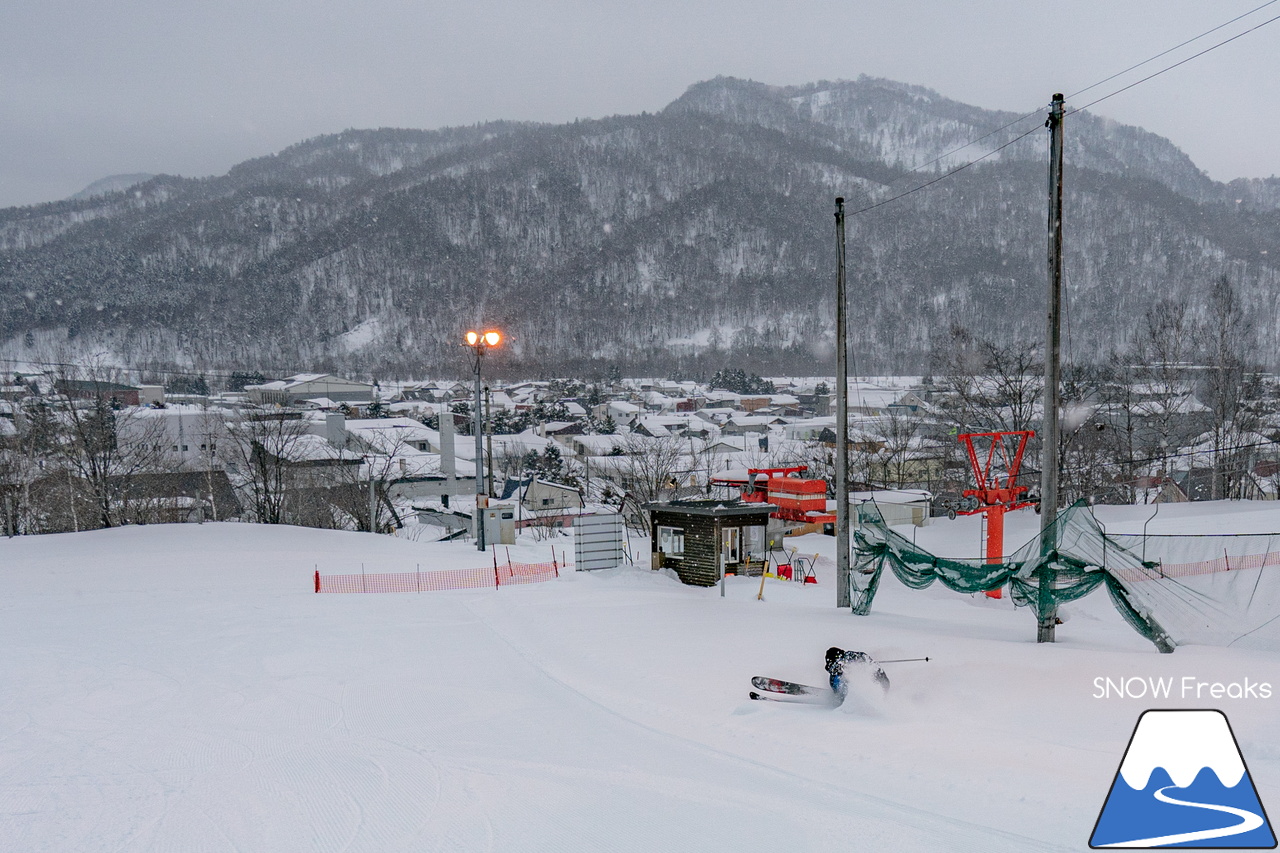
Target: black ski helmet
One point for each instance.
(833, 654)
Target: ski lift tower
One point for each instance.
(996, 473)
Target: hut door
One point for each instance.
(731, 545)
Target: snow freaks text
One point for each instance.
(1186, 687)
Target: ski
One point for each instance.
(795, 698)
(791, 688)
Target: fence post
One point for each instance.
(554, 565)
(496, 583)
(317, 580)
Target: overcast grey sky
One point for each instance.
(90, 89)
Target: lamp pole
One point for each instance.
(480, 343)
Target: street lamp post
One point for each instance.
(480, 342)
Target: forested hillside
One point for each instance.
(680, 241)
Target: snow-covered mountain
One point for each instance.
(1183, 743)
(112, 184)
(691, 238)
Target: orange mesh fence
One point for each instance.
(430, 581)
(1224, 563)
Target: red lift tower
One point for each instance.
(996, 473)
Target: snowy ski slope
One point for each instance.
(182, 688)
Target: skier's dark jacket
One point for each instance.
(839, 659)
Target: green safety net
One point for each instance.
(1079, 555)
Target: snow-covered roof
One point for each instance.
(313, 448)
(600, 444)
(398, 435)
(323, 403)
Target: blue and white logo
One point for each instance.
(1183, 783)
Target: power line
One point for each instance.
(1170, 50)
(1079, 92)
(941, 157)
(945, 175)
(1165, 456)
(130, 370)
(1176, 64)
(1147, 61)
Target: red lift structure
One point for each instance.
(996, 474)
(799, 500)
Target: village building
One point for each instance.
(308, 386)
(115, 393)
(703, 539)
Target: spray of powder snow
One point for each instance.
(866, 696)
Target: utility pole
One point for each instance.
(373, 498)
(842, 420)
(1052, 357)
(482, 497)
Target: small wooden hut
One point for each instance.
(700, 539)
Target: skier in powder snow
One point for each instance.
(842, 664)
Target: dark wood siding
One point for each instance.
(702, 536)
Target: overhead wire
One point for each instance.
(1180, 62)
(1149, 60)
(1079, 92)
(944, 175)
(1091, 86)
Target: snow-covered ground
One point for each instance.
(182, 688)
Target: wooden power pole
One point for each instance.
(1052, 358)
(842, 419)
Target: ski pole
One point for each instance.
(903, 660)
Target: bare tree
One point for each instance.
(104, 447)
(989, 387)
(364, 493)
(654, 466)
(262, 447)
(898, 462)
(1230, 387)
(18, 470)
(1160, 391)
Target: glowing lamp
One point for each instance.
(473, 338)
(492, 338)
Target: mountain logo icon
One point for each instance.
(1183, 783)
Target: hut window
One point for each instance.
(671, 541)
(753, 539)
(732, 543)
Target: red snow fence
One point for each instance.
(486, 577)
(1225, 563)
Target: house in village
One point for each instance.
(115, 393)
(403, 454)
(560, 430)
(309, 386)
(657, 426)
(537, 495)
(622, 412)
(747, 424)
(184, 434)
(611, 444)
